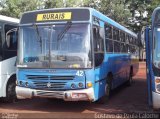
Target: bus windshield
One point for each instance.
(55, 46)
(156, 49)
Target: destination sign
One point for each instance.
(54, 16)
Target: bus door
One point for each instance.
(100, 71)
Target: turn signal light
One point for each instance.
(89, 84)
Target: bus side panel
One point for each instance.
(100, 74)
(120, 68)
(7, 69)
(118, 65)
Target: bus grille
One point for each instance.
(50, 94)
(44, 77)
(49, 85)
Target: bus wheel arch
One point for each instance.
(10, 89)
(108, 86)
(107, 89)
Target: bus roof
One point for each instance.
(92, 12)
(8, 19)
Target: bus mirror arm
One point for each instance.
(10, 31)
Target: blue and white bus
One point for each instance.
(73, 54)
(152, 38)
(8, 53)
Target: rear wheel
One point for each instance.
(130, 81)
(10, 92)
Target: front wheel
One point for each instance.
(10, 92)
(108, 88)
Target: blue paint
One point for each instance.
(116, 63)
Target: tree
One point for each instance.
(14, 8)
(153, 4)
(53, 4)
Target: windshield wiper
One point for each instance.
(38, 36)
(67, 27)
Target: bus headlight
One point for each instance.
(26, 84)
(80, 85)
(73, 86)
(157, 84)
(20, 83)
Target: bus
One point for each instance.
(152, 38)
(73, 54)
(8, 53)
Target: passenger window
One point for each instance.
(108, 32)
(116, 46)
(115, 34)
(127, 39)
(123, 48)
(109, 45)
(127, 48)
(123, 37)
(108, 40)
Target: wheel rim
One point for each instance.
(107, 89)
(130, 79)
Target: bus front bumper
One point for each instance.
(70, 95)
(156, 100)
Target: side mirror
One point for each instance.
(11, 31)
(9, 36)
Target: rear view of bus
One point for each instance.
(8, 53)
(152, 36)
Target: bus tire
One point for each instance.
(10, 92)
(130, 80)
(108, 88)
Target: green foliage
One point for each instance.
(15, 8)
(122, 11)
(115, 10)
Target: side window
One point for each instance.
(108, 31)
(114, 34)
(118, 35)
(116, 46)
(127, 48)
(11, 38)
(108, 40)
(98, 41)
(123, 48)
(123, 37)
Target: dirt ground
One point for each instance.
(124, 100)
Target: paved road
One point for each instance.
(124, 100)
